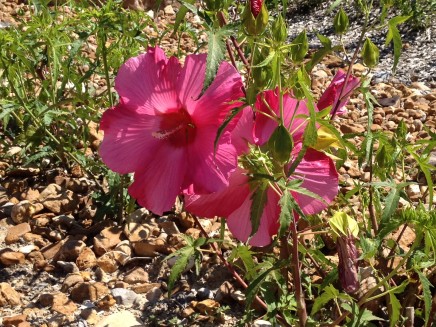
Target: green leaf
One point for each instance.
(215, 54)
(258, 202)
(286, 212)
(184, 255)
(243, 252)
(267, 60)
(343, 225)
(330, 293)
(395, 310)
(427, 295)
(310, 135)
(180, 16)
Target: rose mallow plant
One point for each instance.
(164, 127)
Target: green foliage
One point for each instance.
(189, 252)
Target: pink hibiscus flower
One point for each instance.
(330, 97)
(234, 203)
(163, 128)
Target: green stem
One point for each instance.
(106, 68)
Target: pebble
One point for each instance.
(124, 296)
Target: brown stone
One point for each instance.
(9, 257)
(14, 320)
(51, 250)
(136, 275)
(71, 250)
(71, 280)
(352, 128)
(107, 262)
(144, 288)
(208, 306)
(86, 259)
(88, 291)
(58, 200)
(14, 233)
(106, 302)
(38, 260)
(136, 232)
(150, 248)
(107, 239)
(9, 296)
(58, 302)
(22, 212)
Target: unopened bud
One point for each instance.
(370, 54)
(279, 30)
(255, 17)
(347, 268)
(255, 7)
(341, 22)
(280, 144)
(299, 47)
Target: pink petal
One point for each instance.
(243, 133)
(266, 126)
(209, 173)
(239, 222)
(220, 97)
(158, 183)
(147, 82)
(319, 176)
(190, 81)
(330, 97)
(221, 203)
(127, 141)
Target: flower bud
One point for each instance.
(279, 31)
(263, 74)
(255, 17)
(341, 22)
(255, 7)
(299, 47)
(280, 144)
(347, 268)
(370, 54)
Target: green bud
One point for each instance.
(280, 144)
(261, 75)
(341, 22)
(255, 25)
(370, 54)
(279, 31)
(299, 47)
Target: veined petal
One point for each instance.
(148, 82)
(220, 97)
(319, 176)
(157, 184)
(243, 133)
(239, 222)
(127, 141)
(221, 203)
(190, 81)
(209, 173)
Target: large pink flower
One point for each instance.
(316, 170)
(163, 128)
(331, 95)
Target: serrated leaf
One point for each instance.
(427, 294)
(330, 293)
(215, 54)
(243, 252)
(391, 203)
(179, 266)
(258, 203)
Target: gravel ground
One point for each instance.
(417, 62)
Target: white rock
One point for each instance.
(124, 296)
(120, 319)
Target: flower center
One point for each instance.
(177, 127)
